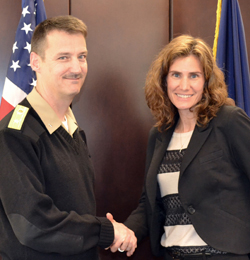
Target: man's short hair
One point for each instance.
(67, 23)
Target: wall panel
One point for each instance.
(198, 18)
(123, 38)
(195, 17)
(56, 7)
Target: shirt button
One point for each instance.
(191, 210)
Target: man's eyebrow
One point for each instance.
(62, 53)
(69, 53)
(84, 52)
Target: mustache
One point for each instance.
(73, 76)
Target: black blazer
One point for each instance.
(214, 185)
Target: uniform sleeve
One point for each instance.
(34, 218)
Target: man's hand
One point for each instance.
(125, 239)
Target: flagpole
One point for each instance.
(217, 27)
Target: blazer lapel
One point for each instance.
(197, 140)
(161, 145)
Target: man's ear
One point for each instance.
(35, 61)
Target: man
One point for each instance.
(47, 207)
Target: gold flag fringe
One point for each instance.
(217, 28)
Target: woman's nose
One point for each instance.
(184, 83)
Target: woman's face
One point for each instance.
(185, 82)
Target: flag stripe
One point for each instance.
(5, 106)
(9, 89)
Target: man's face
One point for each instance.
(62, 72)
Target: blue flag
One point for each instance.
(232, 55)
(20, 78)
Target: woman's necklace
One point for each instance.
(180, 130)
(182, 144)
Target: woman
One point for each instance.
(196, 198)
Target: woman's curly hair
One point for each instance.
(215, 90)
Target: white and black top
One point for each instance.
(180, 234)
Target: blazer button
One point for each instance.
(191, 210)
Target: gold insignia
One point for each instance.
(18, 117)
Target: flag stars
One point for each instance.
(28, 47)
(33, 82)
(15, 65)
(14, 47)
(26, 28)
(35, 9)
(25, 11)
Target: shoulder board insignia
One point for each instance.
(18, 117)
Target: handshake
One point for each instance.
(125, 239)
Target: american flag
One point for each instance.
(20, 78)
